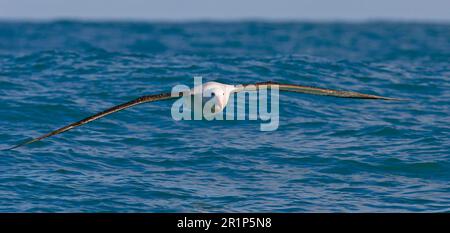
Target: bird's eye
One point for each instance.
(213, 94)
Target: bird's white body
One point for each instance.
(214, 91)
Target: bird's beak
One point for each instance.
(219, 105)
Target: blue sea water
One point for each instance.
(328, 154)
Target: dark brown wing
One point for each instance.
(140, 100)
(318, 91)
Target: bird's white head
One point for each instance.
(220, 92)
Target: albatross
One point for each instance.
(221, 92)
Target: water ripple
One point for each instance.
(327, 155)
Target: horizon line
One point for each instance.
(222, 20)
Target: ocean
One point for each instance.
(327, 155)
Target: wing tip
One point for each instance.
(391, 98)
(20, 145)
(10, 148)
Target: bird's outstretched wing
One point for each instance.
(140, 100)
(313, 90)
(167, 96)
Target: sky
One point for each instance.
(182, 10)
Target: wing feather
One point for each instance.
(117, 108)
(315, 91)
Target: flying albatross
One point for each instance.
(219, 91)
